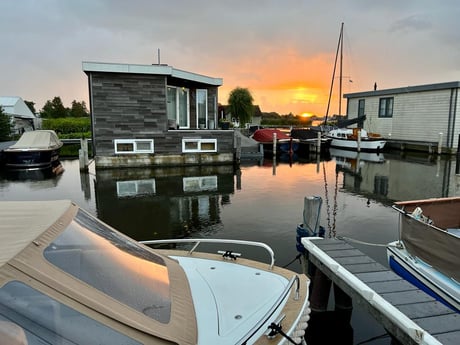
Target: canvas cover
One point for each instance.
(27, 228)
(40, 140)
(265, 135)
(431, 242)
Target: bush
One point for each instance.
(69, 128)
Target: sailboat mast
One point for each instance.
(340, 79)
(339, 50)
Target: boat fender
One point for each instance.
(302, 231)
(417, 213)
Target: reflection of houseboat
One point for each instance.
(427, 252)
(200, 183)
(68, 278)
(134, 188)
(34, 150)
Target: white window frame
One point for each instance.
(187, 91)
(199, 183)
(134, 142)
(135, 187)
(199, 143)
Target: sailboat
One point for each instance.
(357, 139)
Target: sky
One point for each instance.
(282, 51)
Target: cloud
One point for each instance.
(276, 49)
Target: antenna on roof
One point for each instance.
(158, 56)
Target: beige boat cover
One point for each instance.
(28, 227)
(42, 140)
(22, 222)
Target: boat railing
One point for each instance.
(198, 241)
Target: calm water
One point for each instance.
(263, 201)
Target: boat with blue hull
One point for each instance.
(427, 252)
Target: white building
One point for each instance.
(422, 115)
(21, 116)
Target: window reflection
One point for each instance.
(120, 268)
(29, 317)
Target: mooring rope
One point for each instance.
(296, 258)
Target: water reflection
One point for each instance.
(262, 201)
(400, 177)
(47, 177)
(163, 203)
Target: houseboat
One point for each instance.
(151, 115)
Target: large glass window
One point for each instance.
(202, 108)
(28, 316)
(178, 106)
(386, 107)
(116, 266)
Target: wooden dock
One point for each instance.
(410, 315)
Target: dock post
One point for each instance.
(238, 149)
(440, 143)
(457, 163)
(321, 287)
(274, 144)
(318, 144)
(359, 141)
(83, 154)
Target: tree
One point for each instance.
(240, 105)
(54, 109)
(78, 109)
(31, 106)
(6, 127)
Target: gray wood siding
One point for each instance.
(133, 106)
(126, 106)
(417, 116)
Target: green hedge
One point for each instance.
(69, 128)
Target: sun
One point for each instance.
(306, 115)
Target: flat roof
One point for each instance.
(405, 89)
(154, 69)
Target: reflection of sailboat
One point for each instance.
(353, 159)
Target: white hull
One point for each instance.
(365, 145)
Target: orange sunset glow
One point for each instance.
(289, 84)
(282, 52)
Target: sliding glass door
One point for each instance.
(178, 106)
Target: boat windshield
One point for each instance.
(115, 265)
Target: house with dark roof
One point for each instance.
(21, 117)
(419, 116)
(150, 115)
